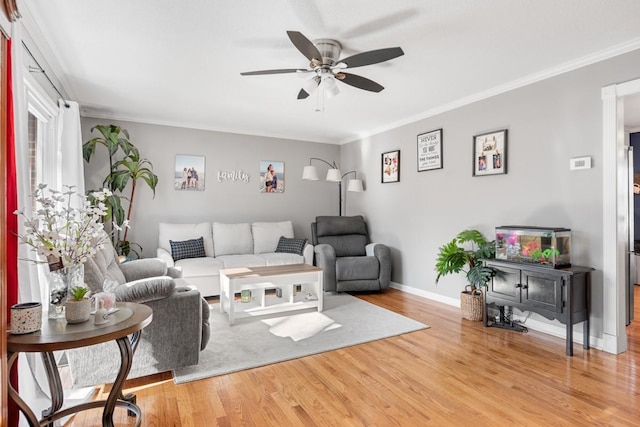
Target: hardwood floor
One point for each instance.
(455, 373)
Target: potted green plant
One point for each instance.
(78, 306)
(127, 168)
(464, 254)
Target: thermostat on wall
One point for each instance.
(580, 163)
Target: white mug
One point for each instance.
(26, 317)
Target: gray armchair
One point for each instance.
(349, 261)
(174, 338)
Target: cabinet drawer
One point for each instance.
(505, 284)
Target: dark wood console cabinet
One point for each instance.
(561, 294)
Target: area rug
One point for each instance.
(345, 321)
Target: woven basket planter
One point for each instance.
(471, 304)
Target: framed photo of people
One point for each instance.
(271, 176)
(430, 150)
(490, 153)
(390, 171)
(189, 173)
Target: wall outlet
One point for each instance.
(580, 163)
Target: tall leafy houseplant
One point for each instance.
(125, 165)
(456, 257)
(464, 254)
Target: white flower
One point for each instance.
(56, 228)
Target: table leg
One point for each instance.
(55, 386)
(13, 394)
(126, 354)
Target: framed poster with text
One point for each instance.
(430, 150)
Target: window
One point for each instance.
(43, 152)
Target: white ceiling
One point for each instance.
(179, 62)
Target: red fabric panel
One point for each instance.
(12, 221)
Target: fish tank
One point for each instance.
(547, 247)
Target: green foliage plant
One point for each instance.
(125, 166)
(78, 293)
(463, 254)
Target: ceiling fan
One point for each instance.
(324, 55)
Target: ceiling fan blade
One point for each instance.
(360, 82)
(305, 46)
(282, 71)
(309, 87)
(372, 57)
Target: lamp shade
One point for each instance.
(310, 173)
(355, 185)
(334, 175)
(330, 87)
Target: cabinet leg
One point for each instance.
(585, 334)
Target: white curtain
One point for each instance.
(68, 168)
(69, 137)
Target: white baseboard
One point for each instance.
(535, 325)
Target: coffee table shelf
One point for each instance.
(261, 280)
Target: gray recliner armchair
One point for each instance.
(350, 262)
(174, 338)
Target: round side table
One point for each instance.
(57, 334)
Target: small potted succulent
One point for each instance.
(464, 254)
(78, 306)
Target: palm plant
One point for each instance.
(453, 257)
(130, 168)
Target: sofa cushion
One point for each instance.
(200, 267)
(347, 245)
(146, 290)
(279, 258)
(104, 265)
(340, 225)
(193, 248)
(291, 246)
(232, 239)
(357, 268)
(267, 234)
(181, 232)
(247, 260)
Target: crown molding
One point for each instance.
(90, 113)
(596, 57)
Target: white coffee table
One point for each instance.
(283, 280)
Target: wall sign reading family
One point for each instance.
(189, 173)
(430, 150)
(271, 176)
(391, 166)
(490, 153)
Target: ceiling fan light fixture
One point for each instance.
(311, 85)
(330, 86)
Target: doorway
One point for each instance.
(617, 221)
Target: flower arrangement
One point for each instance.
(63, 234)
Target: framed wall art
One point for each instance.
(490, 153)
(430, 150)
(271, 176)
(390, 171)
(189, 173)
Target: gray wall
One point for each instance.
(549, 122)
(220, 201)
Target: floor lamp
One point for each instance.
(334, 175)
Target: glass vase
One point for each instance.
(61, 282)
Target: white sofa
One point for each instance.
(228, 246)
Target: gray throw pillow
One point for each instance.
(193, 248)
(291, 246)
